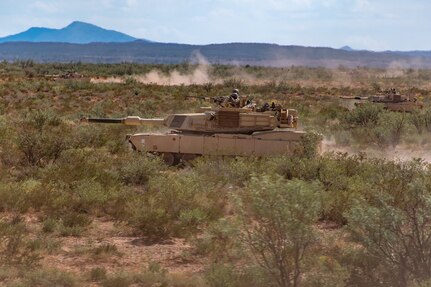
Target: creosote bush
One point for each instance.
(397, 233)
(15, 246)
(175, 205)
(277, 217)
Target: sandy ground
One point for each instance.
(134, 253)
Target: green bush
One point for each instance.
(138, 169)
(105, 250)
(50, 278)
(175, 204)
(277, 217)
(41, 138)
(365, 115)
(219, 242)
(15, 246)
(390, 128)
(396, 233)
(97, 274)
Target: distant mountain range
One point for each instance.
(88, 43)
(76, 33)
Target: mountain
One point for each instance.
(76, 33)
(347, 48)
(233, 53)
(83, 42)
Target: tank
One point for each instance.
(391, 99)
(218, 131)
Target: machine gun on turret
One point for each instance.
(226, 102)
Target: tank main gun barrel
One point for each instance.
(128, 121)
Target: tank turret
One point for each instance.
(216, 120)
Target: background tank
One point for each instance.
(391, 99)
(217, 131)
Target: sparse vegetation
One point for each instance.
(69, 190)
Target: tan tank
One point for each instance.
(217, 131)
(391, 99)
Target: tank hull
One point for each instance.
(398, 107)
(185, 146)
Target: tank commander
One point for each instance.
(234, 100)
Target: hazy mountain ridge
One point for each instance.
(232, 53)
(77, 33)
(89, 43)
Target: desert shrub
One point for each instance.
(15, 246)
(176, 204)
(50, 278)
(310, 145)
(73, 223)
(219, 241)
(104, 250)
(365, 115)
(220, 275)
(41, 138)
(427, 119)
(328, 272)
(418, 121)
(277, 217)
(224, 171)
(20, 196)
(343, 181)
(153, 275)
(389, 129)
(421, 120)
(8, 153)
(329, 113)
(49, 225)
(396, 233)
(79, 164)
(82, 180)
(346, 179)
(97, 136)
(97, 274)
(138, 168)
(125, 279)
(45, 243)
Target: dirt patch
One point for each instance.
(76, 254)
(131, 256)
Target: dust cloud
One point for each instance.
(112, 80)
(398, 153)
(199, 76)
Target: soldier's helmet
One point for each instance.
(234, 96)
(235, 91)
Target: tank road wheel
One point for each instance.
(171, 158)
(186, 159)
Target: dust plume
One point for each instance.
(108, 80)
(398, 153)
(199, 76)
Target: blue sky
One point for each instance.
(361, 24)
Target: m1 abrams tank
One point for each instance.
(391, 99)
(224, 131)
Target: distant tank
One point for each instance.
(391, 99)
(65, 76)
(223, 130)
